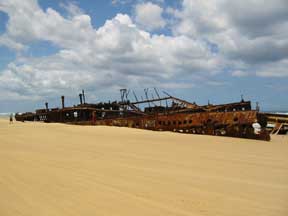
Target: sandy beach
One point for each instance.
(57, 169)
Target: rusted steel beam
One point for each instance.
(187, 104)
(151, 100)
(135, 108)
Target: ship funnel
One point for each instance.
(83, 95)
(80, 96)
(46, 105)
(63, 101)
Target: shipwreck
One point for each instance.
(166, 113)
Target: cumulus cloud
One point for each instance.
(256, 18)
(28, 23)
(199, 18)
(149, 16)
(250, 32)
(8, 42)
(117, 54)
(72, 8)
(207, 37)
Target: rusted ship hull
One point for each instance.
(234, 119)
(233, 124)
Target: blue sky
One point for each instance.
(212, 50)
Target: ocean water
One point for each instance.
(279, 112)
(3, 115)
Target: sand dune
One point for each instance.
(55, 169)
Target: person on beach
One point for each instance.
(11, 118)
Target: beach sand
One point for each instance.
(57, 169)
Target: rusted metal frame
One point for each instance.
(188, 104)
(244, 104)
(147, 101)
(135, 108)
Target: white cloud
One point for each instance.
(29, 23)
(118, 54)
(259, 18)
(6, 41)
(149, 16)
(121, 54)
(72, 8)
(275, 69)
(199, 17)
(239, 73)
(121, 2)
(252, 32)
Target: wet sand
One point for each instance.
(57, 169)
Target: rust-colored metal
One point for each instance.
(233, 119)
(277, 123)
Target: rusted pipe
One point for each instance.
(80, 96)
(46, 105)
(83, 95)
(63, 102)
